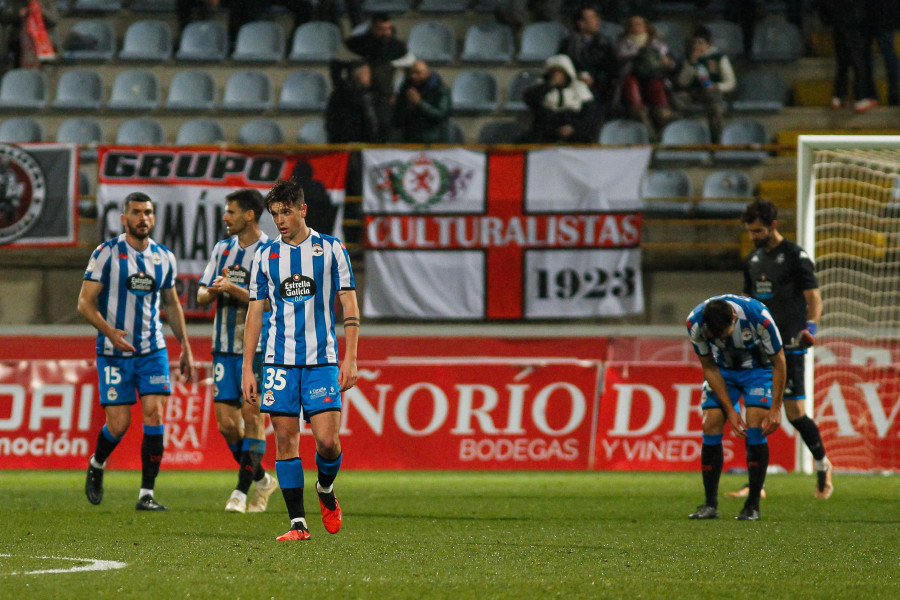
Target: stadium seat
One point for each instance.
(141, 132)
(474, 91)
(448, 6)
(395, 7)
(147, 41)
(79, 130)
(728, 37)
(192, 90)
(153, 5)
(79, 89)
(90, 39)
(259, 41)
(673, 35)
(727, 183)
(777, 40)
(316, 41)
(541, 40)
(23, 89)
(199, 131)
(21, 130)
(457, 135)
(97, 5)
(261, 132)
(516, 90)
(135, 89)
(203, 41)
(84, 186)
(247, 90)
(487, 6)
(759, 91)
(620, 132)
(684, 132)
(304, 90)
(500, 132)
(488, 42)
(433, 42)
(671, 192)
(313, 132)
(742, 132)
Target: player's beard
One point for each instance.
(138, 233)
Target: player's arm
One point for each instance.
(179, 328)
(206, 295)
(807, 337)
(87, 306)
(252, 329)
(779, 376)
(350, 310)
(713, 377)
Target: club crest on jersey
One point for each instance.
(297, 288)
(156, 259)
(238, 275)
(140, 284)
(269, 398)
(746, 335)
(317, 250)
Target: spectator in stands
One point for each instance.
(706, 76)
(645, 66)
(517, 13)
(422, 109)
(593, 56)
(562, 106)
(381, 49)
(745, 13)
(848, 20)
(17, 44)
(883, 19)
(350, 114)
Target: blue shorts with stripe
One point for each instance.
(227, 373)
(290, 391)
(753, 385)
(124, 378)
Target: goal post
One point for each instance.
(848, 220)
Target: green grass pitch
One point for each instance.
(454, 535)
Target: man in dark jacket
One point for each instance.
(380, 47)
(593, 56)
(883, 19)
(422, 110)
(350, 114)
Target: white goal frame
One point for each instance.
(807, 145)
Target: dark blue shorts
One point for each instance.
(753, 385)
(124, 378)
(227, 372)
(288, 391)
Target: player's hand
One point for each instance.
(347, 375)
(807, 337)
(186, 363)
(118, 341)
(738, 426)
(772, 422)
(248, 387)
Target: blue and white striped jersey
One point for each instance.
(754, 340)
(228, 327)
(129, 300)
(301, 283)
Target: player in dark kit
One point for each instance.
(781, 275)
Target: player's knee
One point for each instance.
(328, 446)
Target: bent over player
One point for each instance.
(781, 275)
(226, 280)
(302, 273)
(740, 351)
(123, 283)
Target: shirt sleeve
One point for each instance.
(806, 272)
(96, 265)
(768, 332)
(259, 282)
(343, 279)
(172, 274)
(209, 273)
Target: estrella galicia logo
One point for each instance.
(422, 181)
(297, 288)
(23, 190)
(140, 284)
(238, 275)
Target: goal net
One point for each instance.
(848, 219)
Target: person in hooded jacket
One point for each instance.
(562, 106)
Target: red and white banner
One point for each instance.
(650, 420)
(456, 234)
(188, 187)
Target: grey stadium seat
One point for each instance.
(80, 130)
(97, 5)
(199, 131)
(500, 132)
(21, 130)
(541, 40)
(457, 135)
(684, 132)
(623, 132)
(261, 132)
(313, 132)
(90, 39)
(488, 42)
(727, 183)
(203, 41)
(671, 191)
(135, 89)
(247, 90)
(728, 37)
(432, 41)
(148, 40)
(777, 40)
(516, 90)
(23, 89)
(141, 132)
(304, 91)
(449, 6)
(316, 41)
(79, 89)
(759, 91)
(388, 6)
(474, 91)
(259, 41)
(192, 89)
(742, 132)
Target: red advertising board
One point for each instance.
(650, 420)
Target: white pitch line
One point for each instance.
(93, 565)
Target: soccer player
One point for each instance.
(226, 280)
(782, 276)
(123, 284)
(302, 273)
(740, 351)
